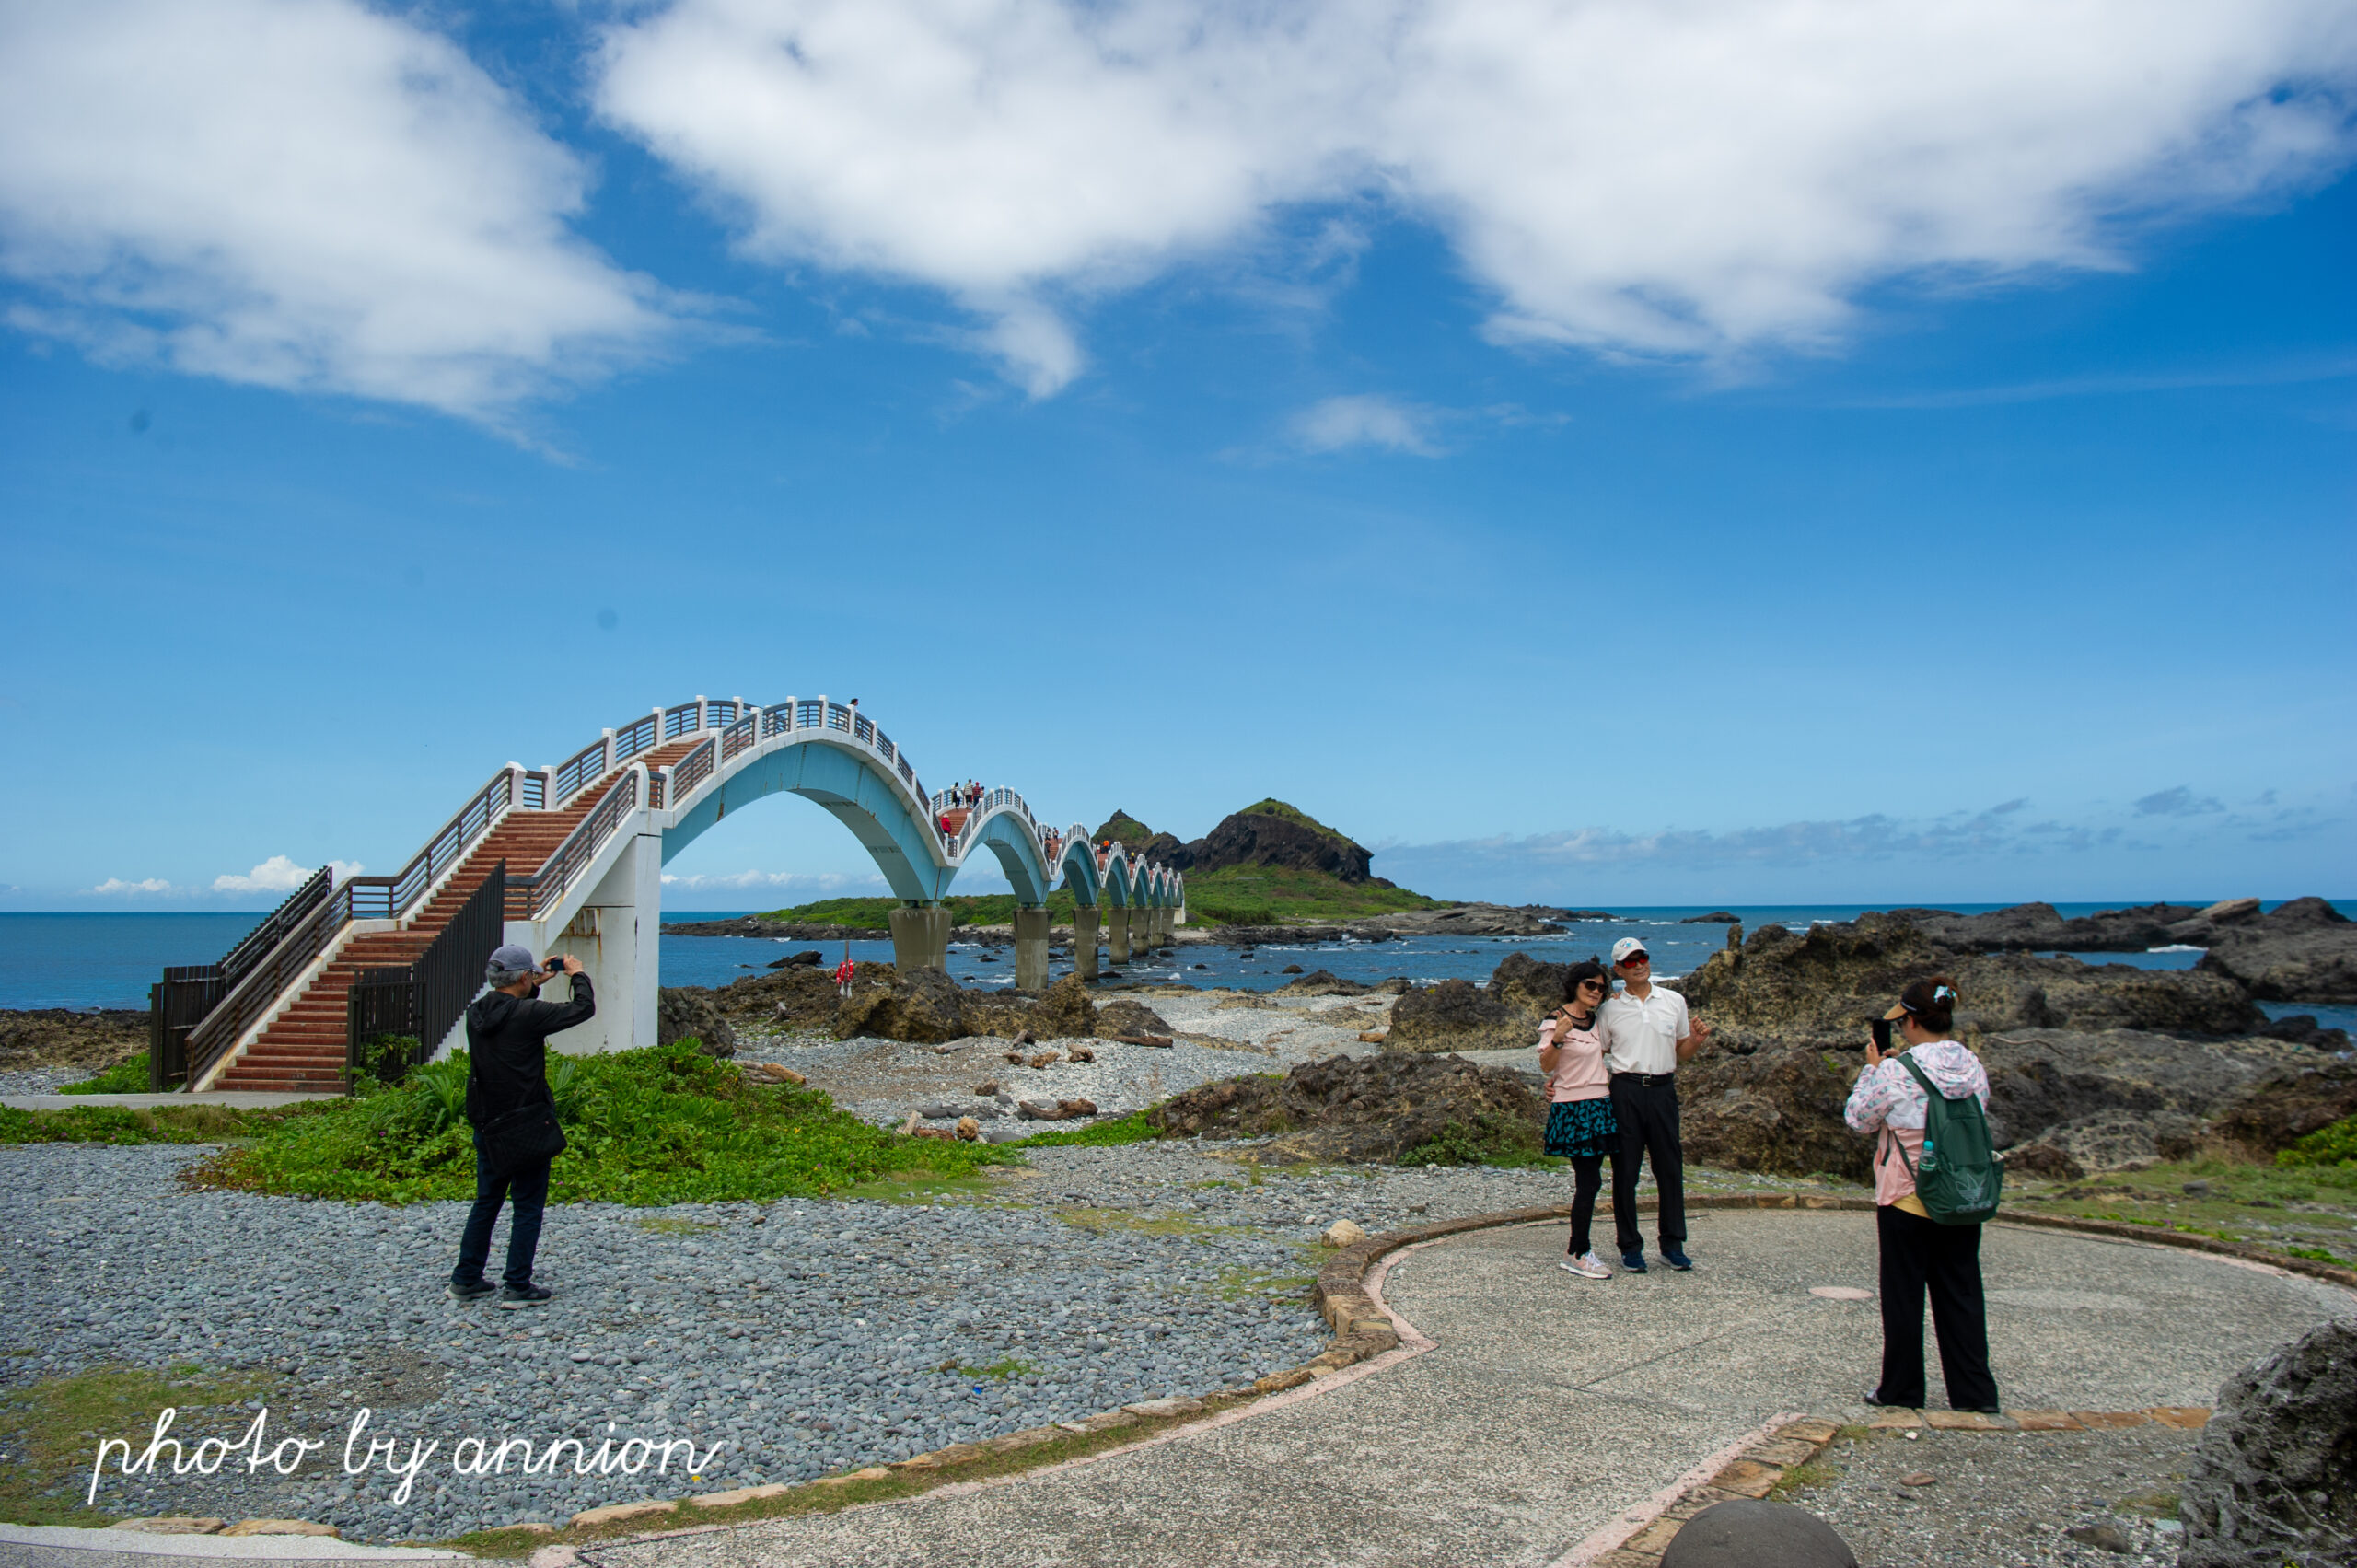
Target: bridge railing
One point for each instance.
(532, 897)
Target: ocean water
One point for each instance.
(109, 961)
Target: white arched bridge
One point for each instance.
(568, 859)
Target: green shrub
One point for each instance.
(128, 1076)
(1131, 1129)
(1489, 1139)
(2336, 1144)
(663, 1125)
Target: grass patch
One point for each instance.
(1131, 1129)
(123, 1124)
(2318, 1254)
(1242, 1283)
(128, 1076)
(666, 1124)
(1815, 1472)
(50, 1430)
(667, 1224)
(1269, 895)
(2305, 1211)
(1099, 1221)
(1001, 1370)
(918, 1187)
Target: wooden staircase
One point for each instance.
(302, 1049)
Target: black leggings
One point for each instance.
(1587, 1180)
(1921, 1257)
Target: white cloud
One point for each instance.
(305, 194)
(1363, 421)
(147, 884)
(1696, 179)
(280, 874)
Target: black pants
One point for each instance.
(1919, 1253)
(1587, 1180)
(529, 1187)
(1648, 1117)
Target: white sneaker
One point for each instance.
(1587, 1266)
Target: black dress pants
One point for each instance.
(1648, 1116)
(1920, 1254)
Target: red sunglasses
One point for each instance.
(1634, 959)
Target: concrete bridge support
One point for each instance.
(1159, 919)
(1117, 935)
(1083, 940)
(919, 937)
(1031, 949)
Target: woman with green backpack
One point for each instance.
(1935, 1179)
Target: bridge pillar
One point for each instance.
(1116, 933)
(1161, 926)
(1083, 940)
(919, 937)
(1031, 949)
(615, 935)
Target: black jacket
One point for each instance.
(507, 1048)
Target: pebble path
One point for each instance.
(808, 1337)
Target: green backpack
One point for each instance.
(1961, 1177)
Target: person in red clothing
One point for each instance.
(844, 974)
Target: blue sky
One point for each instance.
(1592, 452)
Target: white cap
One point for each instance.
(1626, 945)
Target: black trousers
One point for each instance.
(1588, 1181)
(1920, 1254)
(1648, 1117)
(530, 1189)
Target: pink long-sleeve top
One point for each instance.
(1580, 1072)
(1886, 1100)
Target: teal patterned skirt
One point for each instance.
(1577, 1128)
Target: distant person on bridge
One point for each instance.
(507, 1031)
(1647, 1035)
(1580, 1123)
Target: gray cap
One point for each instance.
(508, 965)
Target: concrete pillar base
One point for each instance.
(1030, 950)
(919, 937)
(1117, 935)
(1083, 940)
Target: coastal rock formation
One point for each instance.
(65, 1037)
(1716, 917)
(1457, 920)
(1772, 1110)
(1456, 1015)
(2275, 1111)
(1123, 1017)
(799, 999)
(1270, 832)
(692, 1012)
(925, 1005)
(2031, 927)
(1822, 987)
(2274, 1478)
(2304, 951)
(1364, 1109)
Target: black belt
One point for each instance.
(1647, 1077)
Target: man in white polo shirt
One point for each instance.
(1648, 1034)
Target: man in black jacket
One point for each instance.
(507, 1031)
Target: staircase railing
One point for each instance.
(425, 997)
(532, 895)
(181, 1001)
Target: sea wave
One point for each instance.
(2178, 947)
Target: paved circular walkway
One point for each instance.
(1548, 1404)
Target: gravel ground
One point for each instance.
(1998, 1500)
(41, 1080)
(807, 1335)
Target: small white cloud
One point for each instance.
(280, 874)
(1364, 421)
(147, 884)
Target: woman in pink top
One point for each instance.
(1580, 1123)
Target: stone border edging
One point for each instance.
(1362, 1328)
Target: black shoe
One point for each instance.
(1634, 1262)
(1874, 1397)
(472, 1290)
(523, 1295)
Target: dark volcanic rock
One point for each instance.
(810, 957)
(2286, 1106)
(1123, 1017)
(684, 1012)
(65, 1037)
(2304, 951)
(1773, 1110)
(1272, 833)
(1324, 982)
(1456, 1015)
(1716, 917)
(925, 1005)
(1365, 1109)
(798, 1000)
(2301, 1028)
(2274, 1478)
(2024, 927)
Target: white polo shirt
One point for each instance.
(1642, 1037)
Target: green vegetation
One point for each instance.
(1131, 1129)
(2336, 1144)
(1272, 807)
(666, 1124)
(1001, 1369)
(1270, 895)
(1237, 1283)
(1489, 1140)
(120, 1124)
(50, 1430)
(2305, 1211)
(128, 1076)
(875, 915)
(1132, 833)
